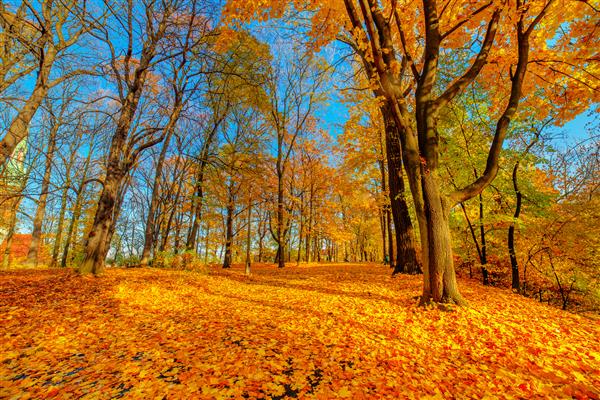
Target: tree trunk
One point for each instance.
(484, 271)
(388, 256)
(442, 278)
(36, 234)
(300, 229)
(407, 260)
(318, 248)
(76, 207)
(115, 217)
(440, 283)
(309, 224)
(473, 236)
(228, 230)
(261, 237)
(514, 263)
(199, 193)
(12, 223)
(248, 237)
(280, 233)
(206, 243)
(150, 230)
(97, 243)
(59, 229)
(72, 224)
(19, 127)
(383, 227)
(98, 239)
(411, 159)
(167, 231)
(178, 229)
(516, 284)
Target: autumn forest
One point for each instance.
(272, 199)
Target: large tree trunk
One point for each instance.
(19, 127)
(33, 253)
(440, 284)
(122, 154)
(411, 160)
(115, 217)
(118, 165)
(407, 260)
(442, 278)
(97, 244)
(99, 236)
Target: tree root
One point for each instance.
(446, 304)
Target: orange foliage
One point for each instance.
(562, 70)
(20, 246)
(330, 331)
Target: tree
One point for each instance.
(132, 77)
(55, 120)
(237, 70)
(418, 89)
(292, 88)
(182, 76)
(240, 157)
(46, 30)
(559, 259)
(514, 264)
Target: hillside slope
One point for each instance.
(345, 331)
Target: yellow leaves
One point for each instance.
(344, 392)
(321, 332)
(395, 67)
(227, 38)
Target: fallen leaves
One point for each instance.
(332, 331)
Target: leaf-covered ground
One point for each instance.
(346, 331)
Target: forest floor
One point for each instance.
(324, 331)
